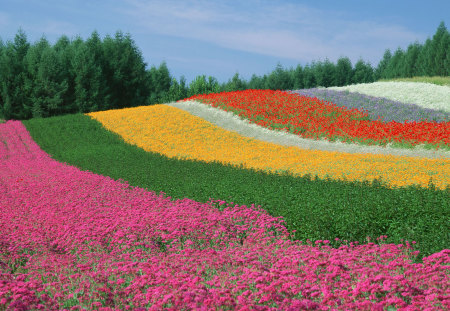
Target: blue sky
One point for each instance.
(220, 38)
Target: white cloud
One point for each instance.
(290, 31)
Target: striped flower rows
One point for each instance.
(388, 110)
(176, 133)
(313, 118)
(74, 240)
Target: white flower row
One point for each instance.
(229, 121)
(426, 95)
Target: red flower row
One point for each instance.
(313, 118)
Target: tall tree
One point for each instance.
(256, 82)
(394, 67)
(234, 84)
(324, 73)
(33, 87)
(50, 83)
(183, 88)
(177, 90)
(13, 74)
(424, 60)
(381, 70)
(279, 79)
(213, 85)
(89, 83)
(160, 80)
(439, 45)
(344, 72)
(363, 72)
(410, 69)
(65, 52)
(447, 62)
(201, 85)
(126, 76)
(309, 80)
(328, 73)
(298, 77)
(2, 47)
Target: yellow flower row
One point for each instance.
(176, 133)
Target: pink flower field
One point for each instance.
(74, 240)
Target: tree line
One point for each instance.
(71, 76)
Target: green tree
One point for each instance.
(177, 90)
(424, 60)
(198, 86)
(363, 72)
(381, 70)
(174, 92)
(160, 81)
(201, 85)
(125, 72)
(89, 83)
(213, 85)
(309, 79)
(447, 62)
(33, 90)
(344, 72)
(410, 61)
(2, 47)
(257, 83)
(279, 79)
(438, 52)
(324, 73)
(394, 67)
(64, 49)
(445, 48)
(50, 85)
(234, 84)
(327, 74)
(183, 88)
(13, 74)
(298, 77)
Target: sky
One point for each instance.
(220, 38)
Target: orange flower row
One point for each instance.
(177, 134)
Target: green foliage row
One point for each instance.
(317, 209)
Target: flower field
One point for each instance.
(154, 208)
(313, 118)
(175, 133)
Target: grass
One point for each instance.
(317, 209)
(444, 81)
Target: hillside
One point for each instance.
(159, 207)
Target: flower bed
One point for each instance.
(71, 239)
(313, 118)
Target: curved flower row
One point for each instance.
(313, 118)
(426, 95)
(178, 134)
(375, 107)
(76, 240)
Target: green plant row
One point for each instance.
(316, 209)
